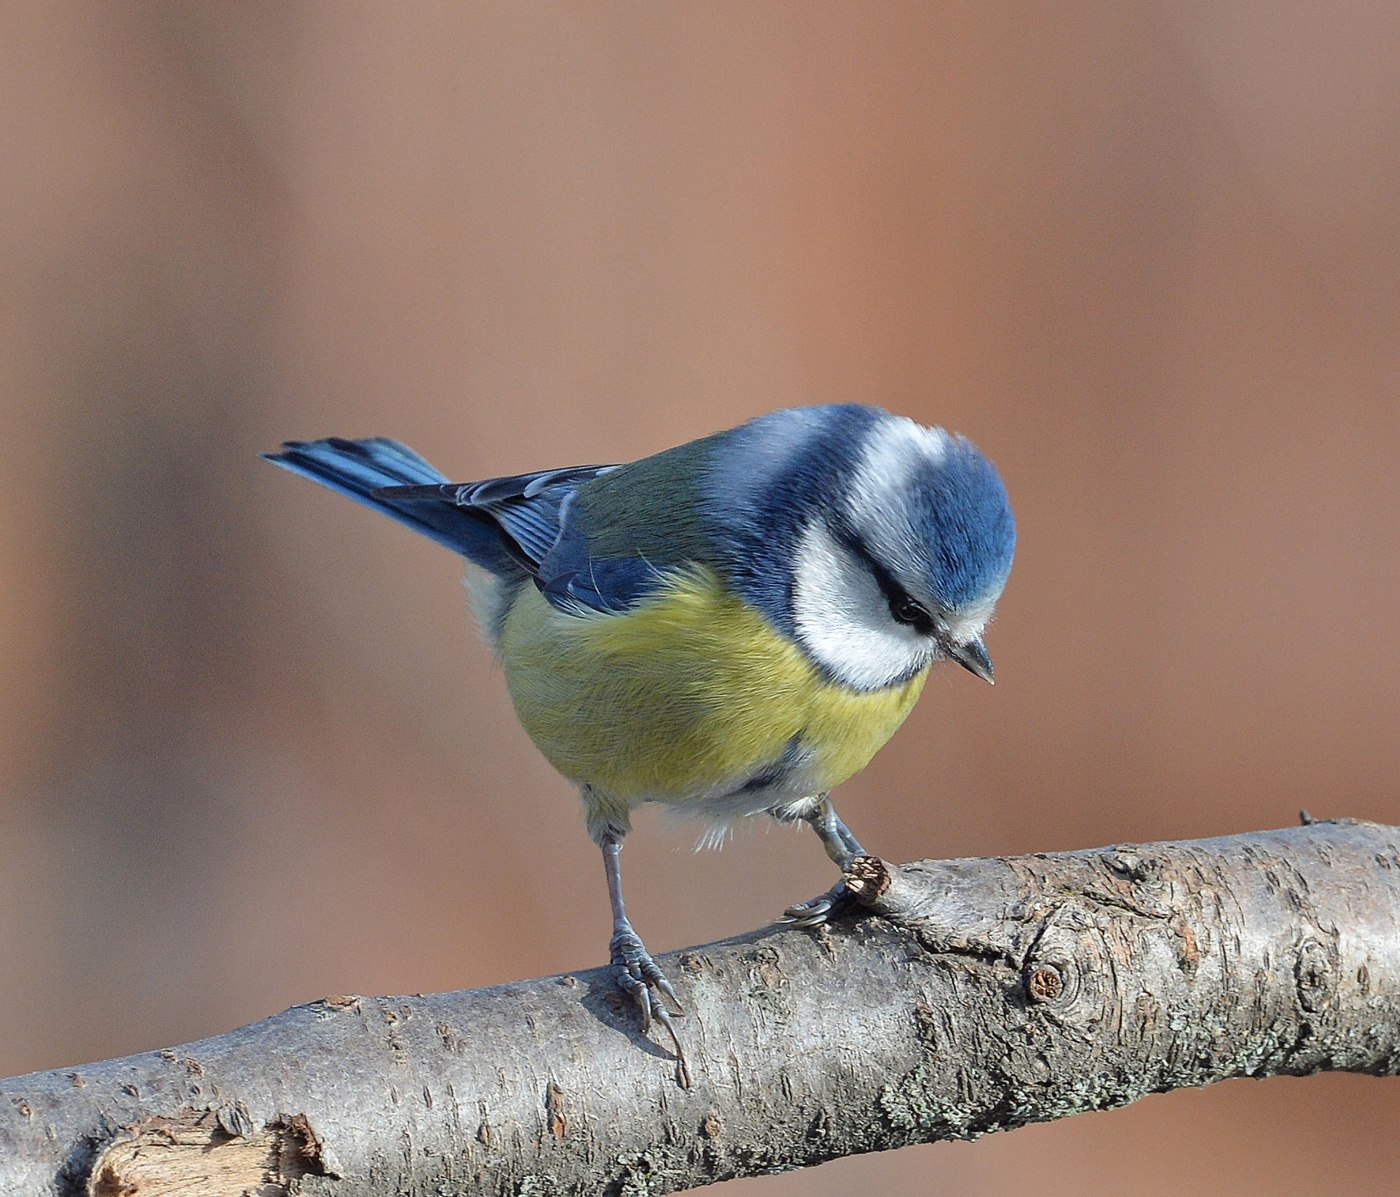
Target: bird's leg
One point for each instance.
(635, 972)
(842, 847)
(835, 836)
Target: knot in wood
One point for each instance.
(1062, 974)
(1313, 974)
(1128, 865)
(1044, 984)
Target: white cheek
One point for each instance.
(843, 618)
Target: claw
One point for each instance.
(821, 909)
(805, 914)
(635, 988)
(637, 974)
(663, 1016)
(664, 987)
(634, 971)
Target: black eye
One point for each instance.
(905, 610)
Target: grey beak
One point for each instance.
(973, 657)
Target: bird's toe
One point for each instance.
(641, 978)
(838, 900)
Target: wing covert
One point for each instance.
(534, 514)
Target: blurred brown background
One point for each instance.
(250, 752)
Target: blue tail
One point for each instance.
(359, 468)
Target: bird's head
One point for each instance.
(902, 561)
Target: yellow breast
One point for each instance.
(687, 693)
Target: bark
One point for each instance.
(978, 996)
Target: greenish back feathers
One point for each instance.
(647, 508)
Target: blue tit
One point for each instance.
(729, 628)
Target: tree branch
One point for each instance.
(985, 995)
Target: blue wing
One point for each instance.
(539, 528)
(362, 469)
(529, 511)
(513, 525)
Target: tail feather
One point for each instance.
(358, 468)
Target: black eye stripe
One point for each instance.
(907, 611)
(903, 607)
(891, 589)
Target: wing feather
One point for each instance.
(533, 513)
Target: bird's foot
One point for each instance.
(637, 975)
(838, 900)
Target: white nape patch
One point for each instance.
(843, 618)
(896, 452)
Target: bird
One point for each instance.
(731, 627)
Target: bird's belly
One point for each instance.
(689, 698)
